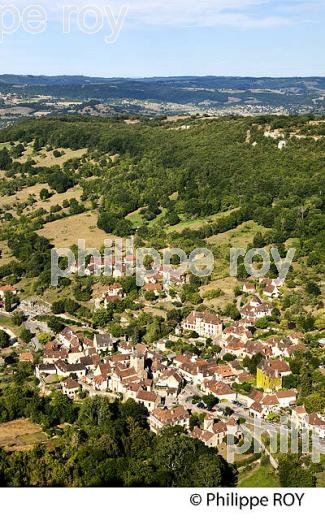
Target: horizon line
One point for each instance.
(40, 75)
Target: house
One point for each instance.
(232, 427)
(219, 389)
(49, 369)
(269, 403)
(75, 354)
(100, 383)
(271, 291)
(120, 377)
(64, 369)
(256, 309)
(207, 437)
(270, 373)
(254, 396)
(6, 289)
(51, 356)
(160, 418)
(315, 424)
(215, 433)
(234, 346)
(161, 344)
(26, 357)
(249, 288)
(239, 331)
(196, 369)
(70, 387)
(156, 288)
(256, 410)
(115, 289)
(110, 294)
(103, 342)
(257, 347)
(244, 377)
(205, 324)
(149, 399)
(298, 415)
(224, 373)
(68, 338)
(286, 398)
(169, 382)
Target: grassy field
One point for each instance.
(5, 145)
(135, 218)
(196, 223)
(259, 476)
(6, 322)
(241, 236)
(22, 196)
(44, 158)
(58, 198)
(66, 232)
(5, 253)
(18, 111)
(47, 159)
(20, 435)
(226, 285)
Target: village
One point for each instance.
(212, 397)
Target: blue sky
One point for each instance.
(167, 38)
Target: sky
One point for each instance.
(145, 38)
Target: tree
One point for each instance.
(315, 402)
(26, 336)
(182, 461)
(262, 323)
(18, 318)
(44, 337)
(17, 151)
(253, 362)
(55, 324)
(124, 228)
(71, 306)
(10, 301)
(60, 182)
(58, 307)
(107, 222)
(312, 288)
(306, 380)
(195, 420)
(150, 296)
(4, 339)
(210, 401)
(293, 473)
(290, 381)
(173, 218)
(232, 311)
(44, 194)
(5, 159)
(259, 241)
(229, 357)
(102, 317)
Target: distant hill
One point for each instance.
(294, 95)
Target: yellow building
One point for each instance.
(270, 373)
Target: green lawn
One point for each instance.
(5, 321)
(198, 222)
(135, 218)
(260, 476)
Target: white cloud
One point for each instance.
(195, 13)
